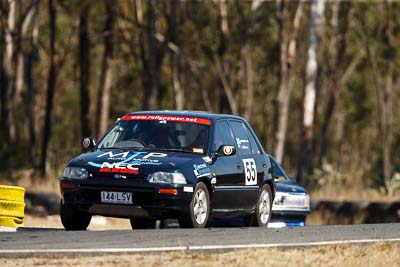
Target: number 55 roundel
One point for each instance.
(250, 171)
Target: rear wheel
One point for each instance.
(74, 219)
(139, 223)
(199, 209)
(262, 216)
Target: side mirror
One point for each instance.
(88, 143)
(226, 150)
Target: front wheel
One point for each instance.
(262, 216)
(74, 219)
(199, 209)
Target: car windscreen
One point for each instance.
(158, 134)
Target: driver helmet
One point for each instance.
(142, 130)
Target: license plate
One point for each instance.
(116, 197)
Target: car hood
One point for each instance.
(134, 162)
(289, 188)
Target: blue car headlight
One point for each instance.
(167, 178)
(289, 200)
(75, 173)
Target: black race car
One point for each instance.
(153, 165)
(292, 202)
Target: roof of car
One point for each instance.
(190, 113)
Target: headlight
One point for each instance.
(75, 173)
(167, 178)
(292, 200)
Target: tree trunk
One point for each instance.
(51, 85)
(15, 97)
(227, 99)
(152, 62)
(249, 80)
(387, 102)
(151, 81)
(179, 93)
(103, 101)
(286, 75)
(84, 68)
(247, 59)
(8, 116)
(316, 22)
(338, 47)
(142, 51)
(3, 80)
(31, 58)
(386, 125)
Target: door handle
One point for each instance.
(238, 165)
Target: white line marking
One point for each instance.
(7, 229)
(207, 247)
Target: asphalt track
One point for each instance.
(39, 240)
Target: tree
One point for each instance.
(286, 74)
(84, 68)
(383, 81)
(31, 59)
(51, 84)
(8, 73)
(103, 100)
(153, 54)
(221, 63)
(315, 27)
(337, 72)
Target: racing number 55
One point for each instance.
(250, 171)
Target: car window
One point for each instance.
(278, 171)
(223, 134)
(158, 134)
(241, 138)
(255, 149)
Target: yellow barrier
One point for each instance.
(12, 206)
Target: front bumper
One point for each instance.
(288, 217)
(147, 202)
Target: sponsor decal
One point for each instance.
(240, 143)
(131, 160)
(118, 168)
(201, 170)
(146, 117)
(250, 171)
(155, 154)
(139, 162)
(207, 159)
(117, 156)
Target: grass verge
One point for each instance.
(378, 254)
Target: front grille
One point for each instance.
(112, 176)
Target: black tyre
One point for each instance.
(74, 219)
(139, 223)
(263, 212)
(199, 209)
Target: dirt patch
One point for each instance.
(382, 254)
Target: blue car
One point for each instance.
(292, 202)
(156, 165)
